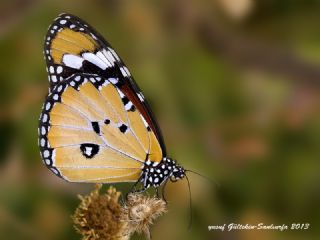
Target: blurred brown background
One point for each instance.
(234, 86)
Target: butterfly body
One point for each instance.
(96, 125)
(155, 174)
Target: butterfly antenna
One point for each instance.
(205, 177)
(190, 203)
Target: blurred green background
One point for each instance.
(234, 86)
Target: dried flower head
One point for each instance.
(139, 213)
(100, 216)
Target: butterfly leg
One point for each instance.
(163, 191)
(140, 190)
(134, 190)
(157, 192)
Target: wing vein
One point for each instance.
(111, 177)
(106, 144)
(129, 124)
(75, 43)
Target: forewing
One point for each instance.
(74, 47)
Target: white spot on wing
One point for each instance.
(88, 151)
(72, 61)
(59, 69)
(141, 97)
(53, 157)
(59, 88)
(108, 56)
(114, 54)
(113, 80)
(144, 121)
(123, 71)
(94, 59)
(93, 36)
(44, 118)
(54, 78)
(128, 106)
(105, 83)
(120, 93)
(126, 70)
(55, 171)
(46, 153)
(104, 59)
(43, 130)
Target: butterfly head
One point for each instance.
(177, 172)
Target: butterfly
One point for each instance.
(96, 125)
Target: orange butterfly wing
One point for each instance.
(72, 46)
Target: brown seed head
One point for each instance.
(98, 215)
(139, 213)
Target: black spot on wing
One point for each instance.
(133, 108)
(96, 127)
(125, 100)
(89, 150)
(123, 128)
